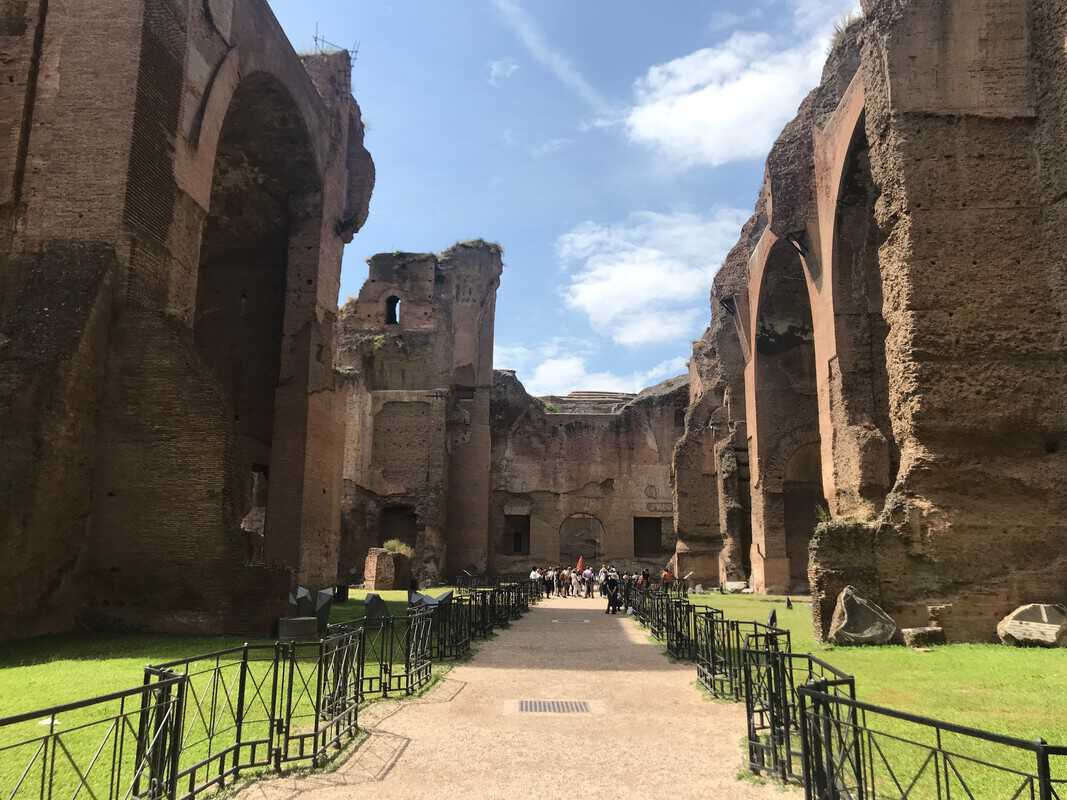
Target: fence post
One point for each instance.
(240, 717)
(275, 718)
(828, 752)
(317, 710)
(805, 753)
(1044, 772)
(176, 733)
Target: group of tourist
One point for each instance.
(583, 581)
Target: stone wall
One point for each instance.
(167, 413)
(414, 355)
(577, 480)
(897, 302)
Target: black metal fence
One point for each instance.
(805, 725)
(198, 724)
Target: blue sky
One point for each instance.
(612, 147)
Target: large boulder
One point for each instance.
(1036, 624)
(859, 621)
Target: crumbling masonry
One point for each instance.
(415, 358)
(176, 187)
(188, 428)
(887, 357)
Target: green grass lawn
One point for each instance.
(54, 670)
(1020, 692)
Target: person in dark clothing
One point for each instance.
(614, 598)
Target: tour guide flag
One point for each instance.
(581, 563)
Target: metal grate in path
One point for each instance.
(553, 706)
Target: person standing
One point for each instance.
(666, 578)
(588, 576)
(611, 585)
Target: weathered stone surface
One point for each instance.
(923, 637)
(1035, 624)
(386, 570)
(895, 307)
(166, 312)
(859, 621)
(585, 475)
(415, 362)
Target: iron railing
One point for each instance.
(197, 724)
(858, 751)
(805, 726)
(773, 676)
(112, 747)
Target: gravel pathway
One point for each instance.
(648, 731)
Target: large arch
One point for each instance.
(787, 472)
(865, 453)
(259, 260)
(581, 534)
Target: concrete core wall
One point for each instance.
(584, 475)
(415, 358)
(893, 316)
(170, 250)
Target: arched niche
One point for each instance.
(787, 477)
(580, 535)
(866, 453)
(258, 264)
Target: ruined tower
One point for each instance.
(415, 357)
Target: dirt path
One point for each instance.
(648, 731)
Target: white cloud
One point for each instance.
(501, 69)
(545, 54)
(646, 280)
(562, 374)
(729, 102)
(550, 147)
(725, 20)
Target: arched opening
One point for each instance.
(264, 175)
(398, 522)
(580, 535)
(872, 457)
(789, 479)
(392, 310)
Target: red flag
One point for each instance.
(581, 563)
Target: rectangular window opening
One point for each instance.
(647, 537)
(517, 534)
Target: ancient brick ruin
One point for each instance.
(415, 360)
(176, 187)
(189, 428)
(886, 355)
(583, 475)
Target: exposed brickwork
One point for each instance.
(190, 312)
(583, 478)
(914, 208)
(417, 408)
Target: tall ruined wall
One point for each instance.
(900, 321)
(965, 118)
(579, 480)
(166, 412)
(413, 353)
